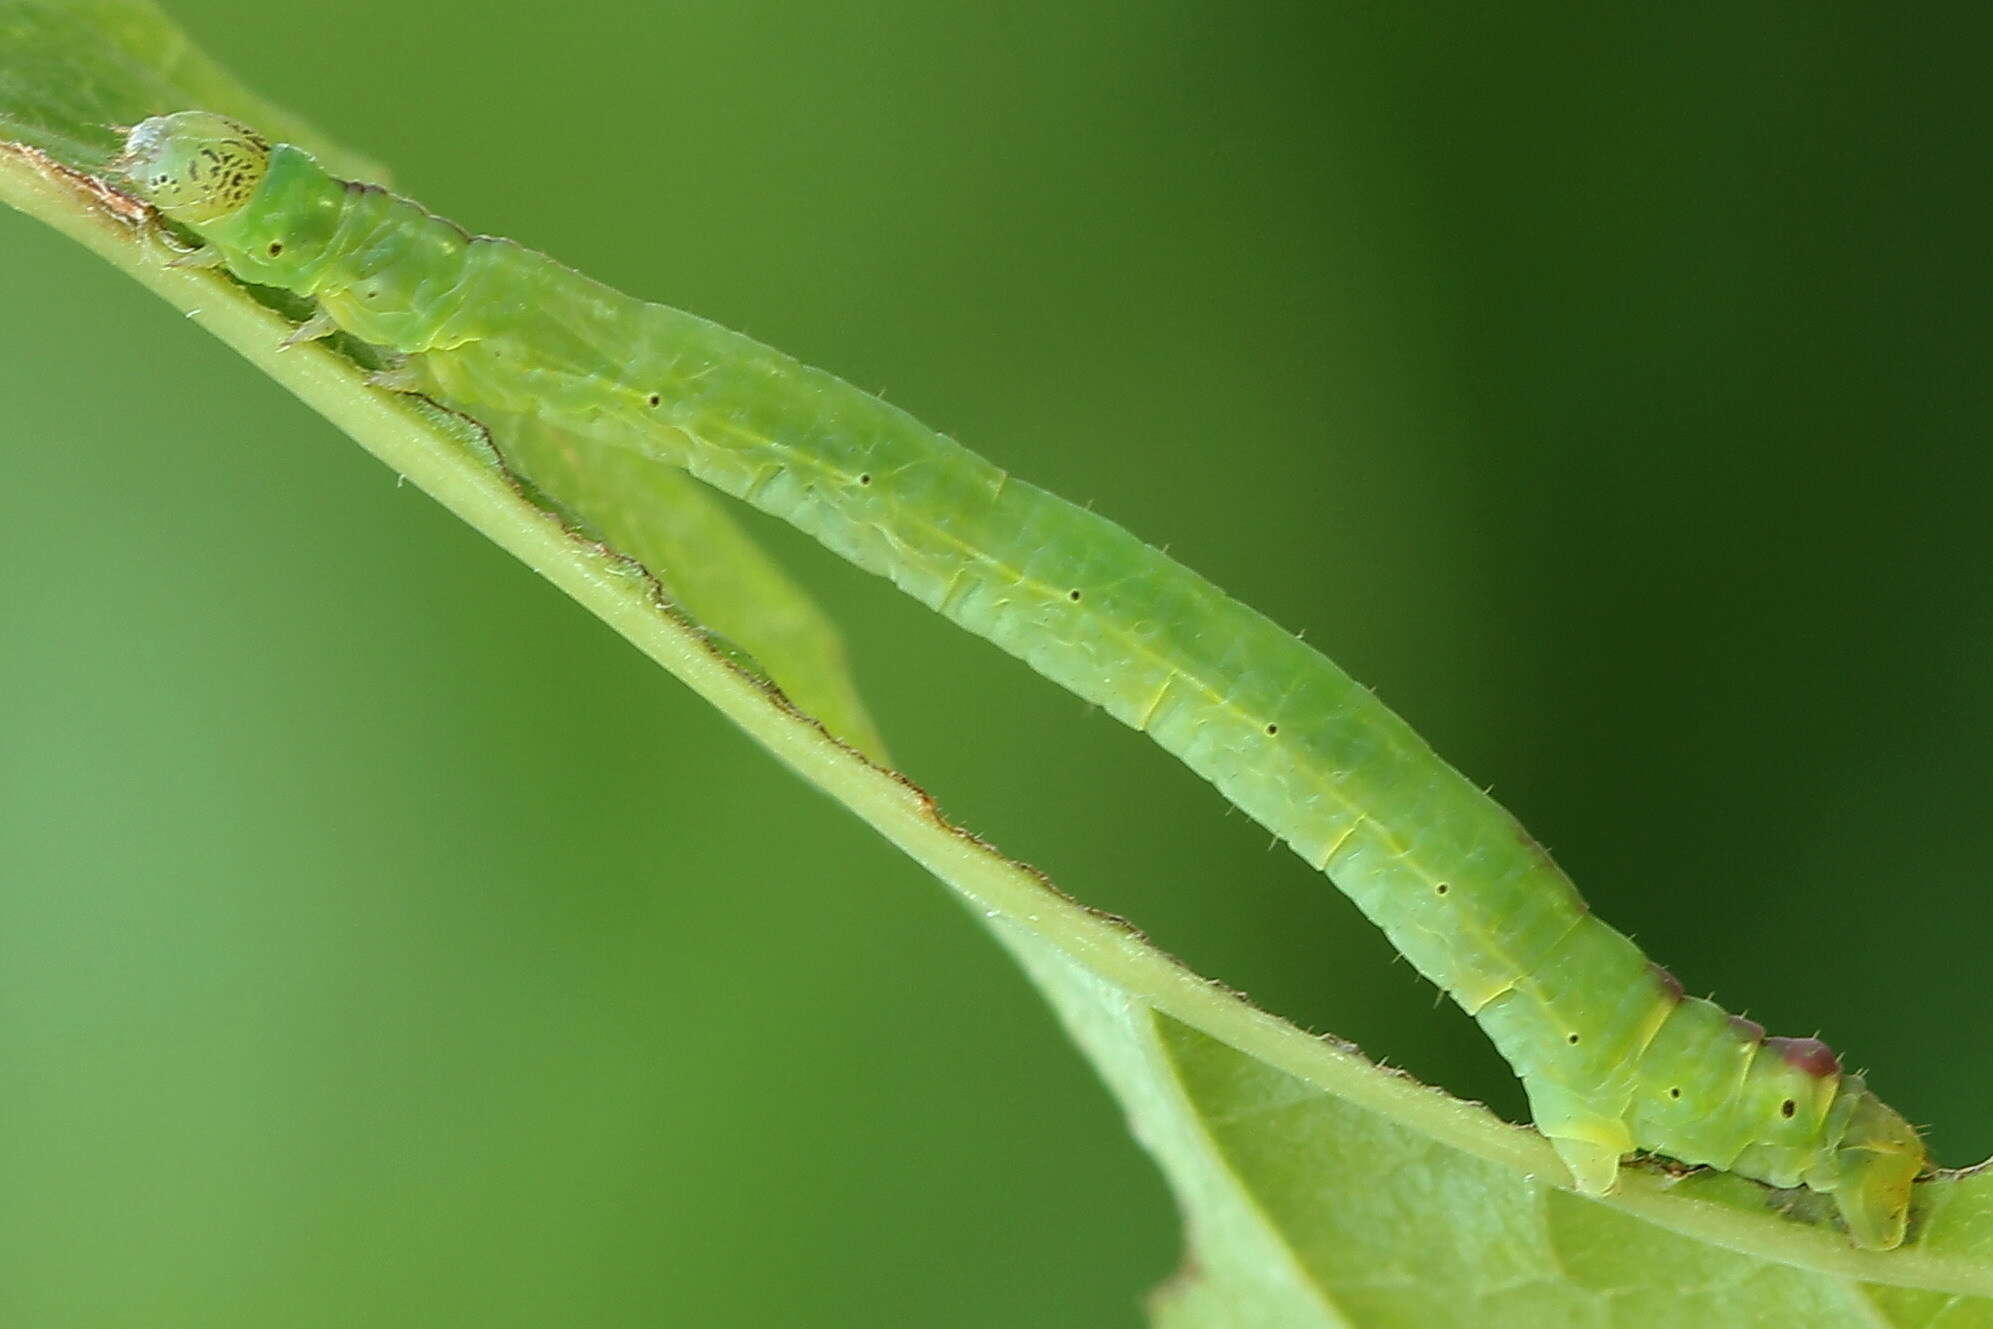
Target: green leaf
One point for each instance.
(1317, 1188)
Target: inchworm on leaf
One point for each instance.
(1614, 1057)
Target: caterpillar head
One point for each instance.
(1877, 1159)
(194, 166)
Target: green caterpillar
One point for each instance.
(1614, 1057)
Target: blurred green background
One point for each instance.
(383, 942)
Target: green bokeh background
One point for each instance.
(383, 942)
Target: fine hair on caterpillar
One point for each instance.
(1614, 1056)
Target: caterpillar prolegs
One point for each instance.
(1612, 1054)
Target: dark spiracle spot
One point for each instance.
(654, 399)
(1074, 596)
(864, 479)
(1571, 1039)
(276, 248)
(1787, 1108)
(1674, 1093)
(1272, 729)
(1441, 889)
